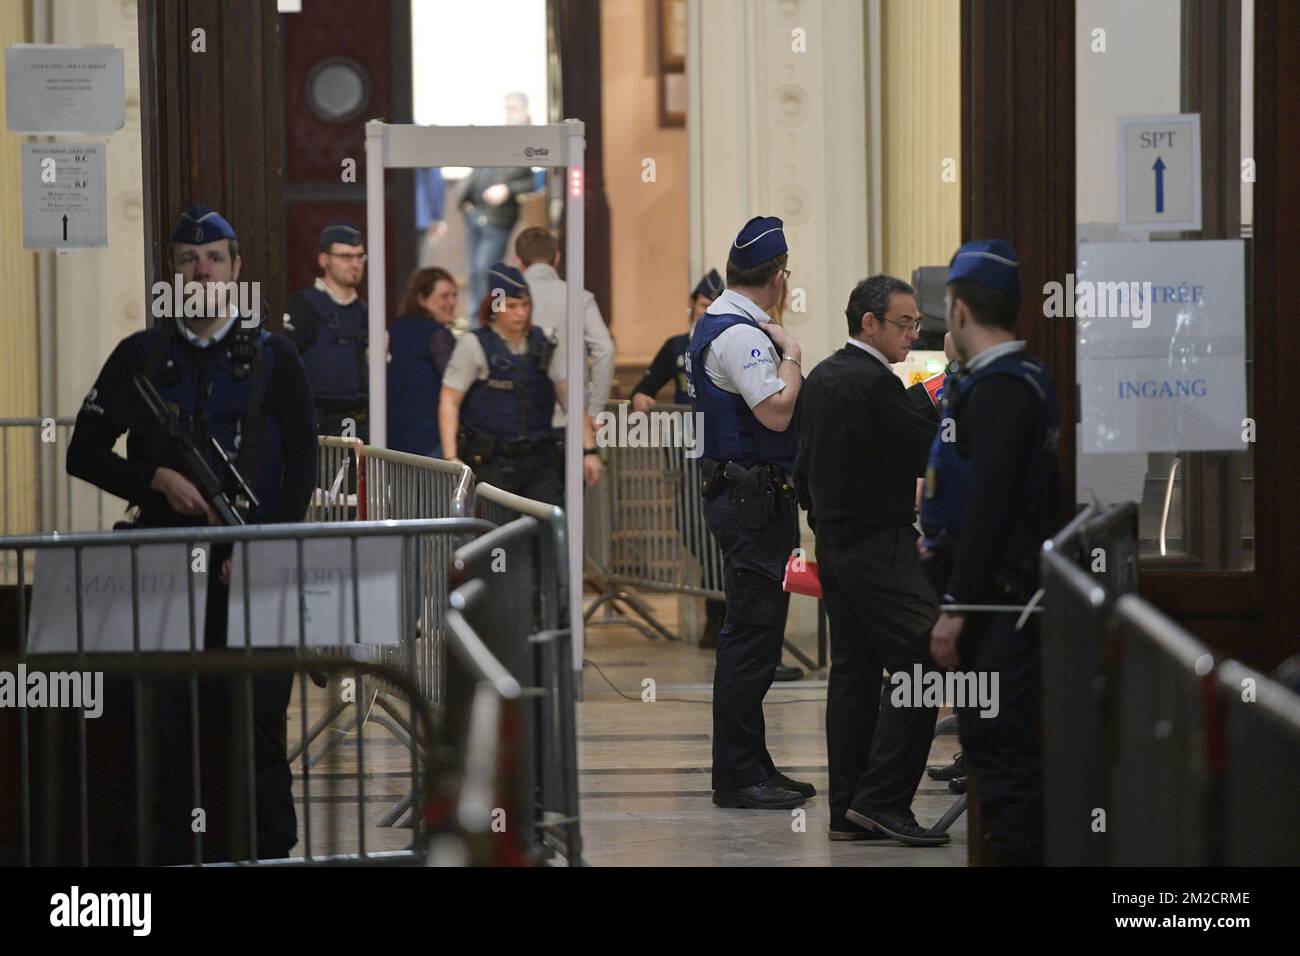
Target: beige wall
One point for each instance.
(648, 223)
(18, 324)
(921, 119)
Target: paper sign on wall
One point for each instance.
(1167, 373)
(163, 576)
(65, 198)
(327, 589)
(1160, 173)
(52, 88)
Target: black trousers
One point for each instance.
(1002, 750)
(749, 645)
(538, 475)
(881, 609)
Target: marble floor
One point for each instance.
(644, 767)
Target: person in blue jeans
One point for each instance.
(490, 204)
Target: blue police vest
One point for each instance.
(517, 399)
(947, 475)
(212, 400)
(415, 381)
(731, 430)
(336, 361)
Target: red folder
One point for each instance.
(801, 576)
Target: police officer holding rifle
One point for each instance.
(220, 430)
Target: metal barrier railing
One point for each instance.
(167, 713)
(36, 492)
(1083, 569)
(1160, 810)
(498, 601)
(1261, 775)
(501, 508)
(650, 533)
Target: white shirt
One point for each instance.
(320, 286)
(550, 295)
(201, 342)
(870, 350)
(994, 352)
(742, 360)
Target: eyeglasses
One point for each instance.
(348, 256)
(913, 326)
(786, 273)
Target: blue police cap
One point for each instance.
(200, 225)
(759, 241)
(508, 279)
(990, 262)
(340, 231)
(710, 286)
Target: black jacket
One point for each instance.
(862, 445)
(519, 179)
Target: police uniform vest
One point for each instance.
(515, 402)
(336, 361)
(732, 432)
(414, 381)
(218, 396)
(947, 475)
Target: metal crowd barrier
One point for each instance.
(497, 603)
(651, 534)
(501, 508)
(1075, 657)
(36, 492)
(133, 789)
(1161, 808)
(362, 482)
(1261, 775)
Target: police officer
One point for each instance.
(991, 492)
(670, 362)
(329, 323)
(743, 375)
(670, 365)
(231, 381)
(498, 395)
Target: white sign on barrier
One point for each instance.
(162, 573)
(328, 592)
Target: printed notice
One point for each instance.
(52, 88)
(65, 200)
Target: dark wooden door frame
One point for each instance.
(210, 128)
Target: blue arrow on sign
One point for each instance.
(1159, 167)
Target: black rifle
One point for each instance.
(205, 479)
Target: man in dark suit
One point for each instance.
(862, 446)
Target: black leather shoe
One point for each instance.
(844, 831)
(761, 796)
(958, 785)
(896, 826)
(785, 672)
(954, 770)
(781, 780)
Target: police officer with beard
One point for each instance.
(329, 323)
(743, 375)
(228, 380)
(990, 495)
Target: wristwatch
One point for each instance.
(591, 451)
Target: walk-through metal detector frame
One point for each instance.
(560, 145)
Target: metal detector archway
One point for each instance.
(560, 145)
